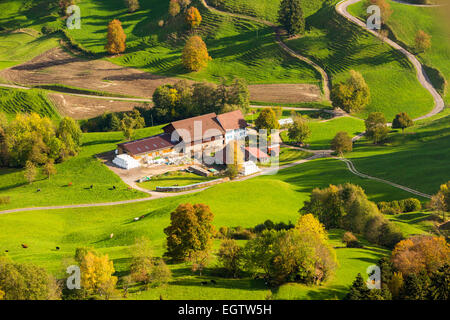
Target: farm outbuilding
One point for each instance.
(125, 161)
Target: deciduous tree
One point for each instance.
(174, 8)
(49, 169)
(290, 15)
(116, 38)
(97, 274)
(420, 254)
(376, 127)
(193, 17)
(190, 231)
(402, 121)
(422, 41)
(230, 256)
(267, 120)
(352, 95)
(342, 143)
(132, 5)
(299, 130)
(30, 172)
(195, 54)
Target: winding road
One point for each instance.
(439, 104)
(341, 8)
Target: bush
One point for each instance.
(5, 200)
(396, 207)
(411, 204)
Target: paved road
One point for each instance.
(326, 85)
(439, 105)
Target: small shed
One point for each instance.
(125, 161)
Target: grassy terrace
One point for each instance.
(407, 20)
(13, 101)
(339, 46)
(238, 47)
(19, 47)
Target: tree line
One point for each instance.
(30, 139)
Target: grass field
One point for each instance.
(245, 203)
(264, 9)
(417, 159)
(339, 46)
(406, 21)
(238, 47)
(30, 17)
(82, 171)
(173, 178)
(323, 132)
(13, 101)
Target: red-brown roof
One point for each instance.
(232, 120)
(146, 145)
(207, 122)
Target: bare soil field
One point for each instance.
(57, 66)
(84, 108)
(285, 93)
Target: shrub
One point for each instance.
(230, 256)
(5, 200)
(411, 204)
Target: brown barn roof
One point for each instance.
(232, 120)
(150, 144)
(185, 128)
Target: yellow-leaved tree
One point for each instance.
(193, 17)
(97, 274)
(116, 38)
(195, 54)
(309, 224)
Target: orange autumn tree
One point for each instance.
(420, 253)
(116, 38)
(195, 54)
(193, 17)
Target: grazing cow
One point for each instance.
(57, 248)
(6, 250)
(24, 246)
(142, 217)
(111, 235)
(114, 187)
(38, 190)
(92, 186)
(204, 283)
(136, 219)
(214, 282)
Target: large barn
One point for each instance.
(189, 136)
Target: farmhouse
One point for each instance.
(207, 133)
